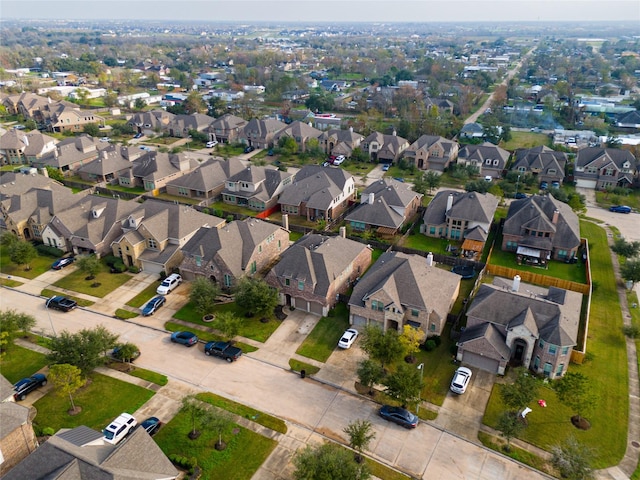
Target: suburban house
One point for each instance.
(19, 148)
(318, 193)
(340, 142)
(312, 272)
(441, 104)
(25, 104)
(70, 154)
(505, 325)
(458, 216)
(545, 164)
(401, 289)
(384, 148)
(226, 129)
(629, 120)
(257, 188)
(431, 152)
(112, 162)
(260, 133)
(300, 132)
(207, 181)
(151, 123)
(17, 437)
(66, 118)
(240, 248)
(489, 159)
(181, 125)
(472, 130)
(540, 228)
(153, 170)
(385, 206)
(81, 453)
(599, 168)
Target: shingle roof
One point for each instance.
(315, 185)
(491, 334)
(483, 152)
(209, 175)
(470, 206)
(540, 158)
(599, 157)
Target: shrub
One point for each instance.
(118, 267)
(218, 212)
(631, 331)
(133, 269)
(49, 250)
(437, 339)
(429, 345)
(206, 211)
(229, 218)
(110, 260)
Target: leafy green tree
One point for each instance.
(218, 420)
(630, 271)
(90, 265)
(360, 436)
(12, 322)
(66, 379)
(4, 341)
(404, 385)
(523, 391)
(127, 351)
(54, 174)
(228, 324)
(369, 373)
(194, 103)
(85, 349)
(255, 295)
(217, 107)
(91, 129)
(385, 347)
(288, 145)
(328, 461)
(624, 248)
(509, 426)
(139, 104)
(8, 238)
(203, 295)
(22, 252)
(577, 392)
(573, 460)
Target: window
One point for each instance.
(183, 191)
(552, 349)
(414, 312)
(432, 327)
(227, 280)
(432, 230)
(559, 370)
(565, 350)
(259, 248)
(300, 285)
(546, 371)
(287, 281)
(376, 305)
(253, 267)
(198, 259)
(541, 343)
(536, 363)
(152, 243)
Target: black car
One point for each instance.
(399, 415)
(249, 149)
(62, 262)
(28, 385)
(61, 303)
(151, 425)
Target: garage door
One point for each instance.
(151, 267)
(481, 362)
(315, 308)
(584, 183)
(358, 321)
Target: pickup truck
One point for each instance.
(223, 350)
(61, 303)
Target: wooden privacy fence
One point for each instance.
(537, 278)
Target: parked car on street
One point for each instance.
(61, 303)
(223, 350)
(153, 305)
(62, 262)
(27, 385)
(151, 425)
(399, 415)
(620, 209)
(119, 428)
(460, 380)
(520, 195)
(185, 338)
(169, 284)
(348, 337)
(117, 353)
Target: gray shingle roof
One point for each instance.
(491, 334)
(541, 159)
(315, 185)
(483, 152)
(209, 175)
(470, 206)
(377, 214)
(599, 157)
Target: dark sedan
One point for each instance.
(151, 425)
(152, 305)
(185, 338)
(27, 385)
(62, 262)
(399, 415)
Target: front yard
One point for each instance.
(18, 362)
(38, 266)
(106, 282)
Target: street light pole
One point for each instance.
(421, 368)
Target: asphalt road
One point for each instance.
(314, 408)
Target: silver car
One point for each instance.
(460, 380)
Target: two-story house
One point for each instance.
(181, 125)
(70, 154)
(153, 170)
(505, 325)
(340, 142)
(206, 182)
(19, 148)
(401, 289)
(488, 159)
(384, 148)
(151, 123)
(318, 193)
(226, 129)
(72, 119)
(112, 162)
(431, 152)
(240, 248)
(545, 164)
(257, 188)
(313, 271)
(385, 205)
(599, 168)
(260, 133)
(300, 132)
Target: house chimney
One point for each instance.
(430, 259)
(394, 132)
(285, 221)
(351, 129)
(516, 284)
(449, 202)
(343, 232)
(372, 197)
(556, 214)
(44, 172)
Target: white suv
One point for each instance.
(119, 428)
(169, 283)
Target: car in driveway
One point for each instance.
(348, 337)
(399, 415)
(544, 185)
(27, 385)
(520, 196)
(211, 144)
(153, 305)
(138, 135)
(386, 167)
(249, 149)
(339, 160)
(169, 283)
(61, 303)
(62, 262)
(620, 209)
(151, 425)
(185, 338)
(460, 380)
(119, 428)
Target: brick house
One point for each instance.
(18, 147)
(537, 329)
(17, 437)
(240, 248)
(384, 148)
(300, 132)
(313, 271)
(545, 164)
(260, 133)
(71, 153)
(181, 125)
(154, 170)
(599, 168)
(207, 181)
(151, 123)
(431, 152)
(257, 188)
(340, 142)
(488, 159)
(226, 129)
(401, 289)
(112, 162)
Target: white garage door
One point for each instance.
(151, 267)
(359, 321)
(480, 361)
(584, 183)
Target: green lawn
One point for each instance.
(244, 454)
(322, 340)
(605, 199)
(39, 265)
(75, 281)
(96, 413)
(606, 366)
(358, 168)
(251, 328)
(150, 376)
(295, 236)
(19, 362)
(144, 296)
(6, 282)
(421, 242)
(525, 140)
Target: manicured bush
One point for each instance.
(436, 338)
(429, 345)
(49, 250)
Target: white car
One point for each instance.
(460, 380)
(348, 337)
(339, 159)
(119, 428)
(169, 283)
(211, 144)
(105, 139)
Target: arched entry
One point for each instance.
(518, 352)
(213, 278)
(26, 233)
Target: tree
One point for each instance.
(54, 174)
(90, 265)
(22, 252)
(411, 339)
(255, 295)
(85, 349)
(577, 392)
(509, 425)
(384, 347)
(328, 461)
(7, 239)
(572, 460)
(91, 129)
(518, 394)
(194, 103)
(630, 271)
(404, 385)
(12, 322)
(360, 435)
(228, 324)
(203, 295)
(127, 351)
(624, 248)
(217, 420)
(369, 373)
(67, 380)
(139, 104)
(200, 414)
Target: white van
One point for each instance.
(169, 283)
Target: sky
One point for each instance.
(327, 10)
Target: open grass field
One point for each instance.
(525, 140)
